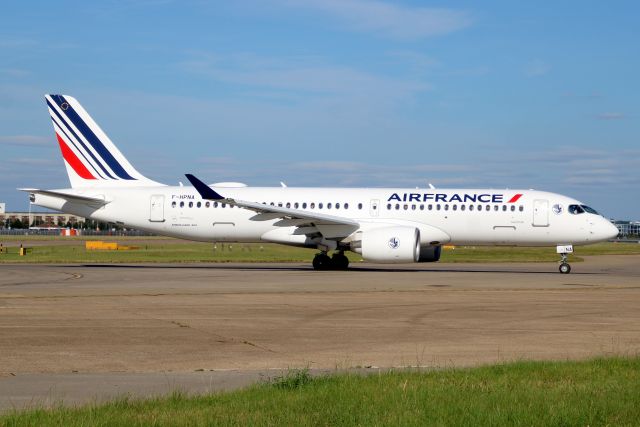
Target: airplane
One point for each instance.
(383, 225)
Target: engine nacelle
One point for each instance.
(430, 253)
(388, 244)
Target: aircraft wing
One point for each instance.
(75, 198)
(307, 223)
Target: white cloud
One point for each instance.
(297, 74)
(25, 140)
(611, 116)
(390, 19)
(537, 68)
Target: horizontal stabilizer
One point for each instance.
(75, 198)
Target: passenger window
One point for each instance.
(388, 206)
(438, 207)
(521, 208)
(504, 208)
(207, 204)
(319, 205)
(406, 207)
(359, 205)
(446, 207)
(279, 204)
(288, 205)
(463, 207)
(421, 207)
(173, 204)
(215, 204)
(190, 204)
(488, 208)
(479, 207)
(470, 207)
(328, 205)
(304, 205)
(296, 205)
(496, 208)
(454, 207)
(272, 204)
(513, 208)
(346, 205)
(337, 205)
(312, 205)
(182, 204)
(223, 205)
(413, 207)
(199, 204)
(430, 207)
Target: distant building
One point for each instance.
(38, 219)
(627, 228)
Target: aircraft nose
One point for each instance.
(612, 230)
(606, 230)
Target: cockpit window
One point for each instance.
(589, 210)
(575, 209)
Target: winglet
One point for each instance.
(205, 191)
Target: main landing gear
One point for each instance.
(564, 250)
(338, 261)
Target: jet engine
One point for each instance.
(388, 244)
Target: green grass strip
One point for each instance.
(598, 392)
(172, 251)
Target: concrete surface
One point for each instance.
(85, 332)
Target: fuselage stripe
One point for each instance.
(515, 198)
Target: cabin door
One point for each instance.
(156, 212)
(540, 213)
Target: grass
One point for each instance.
(586, 393)
(154, 249)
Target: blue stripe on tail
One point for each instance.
(66, 125)
(92, 138)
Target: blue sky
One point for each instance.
(334, 93)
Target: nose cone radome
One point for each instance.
(606, 230)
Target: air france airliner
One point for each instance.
(383, 225)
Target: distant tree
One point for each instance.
(16, 223)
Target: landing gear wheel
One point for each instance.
(340, 261)
(564, 268)
(321, 262)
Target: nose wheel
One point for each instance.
(563, 251)
(564, 267)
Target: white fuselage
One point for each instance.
(451, 216)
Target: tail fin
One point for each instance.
(92, 160)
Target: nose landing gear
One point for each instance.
(564, 250)
(564, 268)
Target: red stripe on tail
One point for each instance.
(515, 198)
(73, 160)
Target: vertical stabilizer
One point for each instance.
(91, 158)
